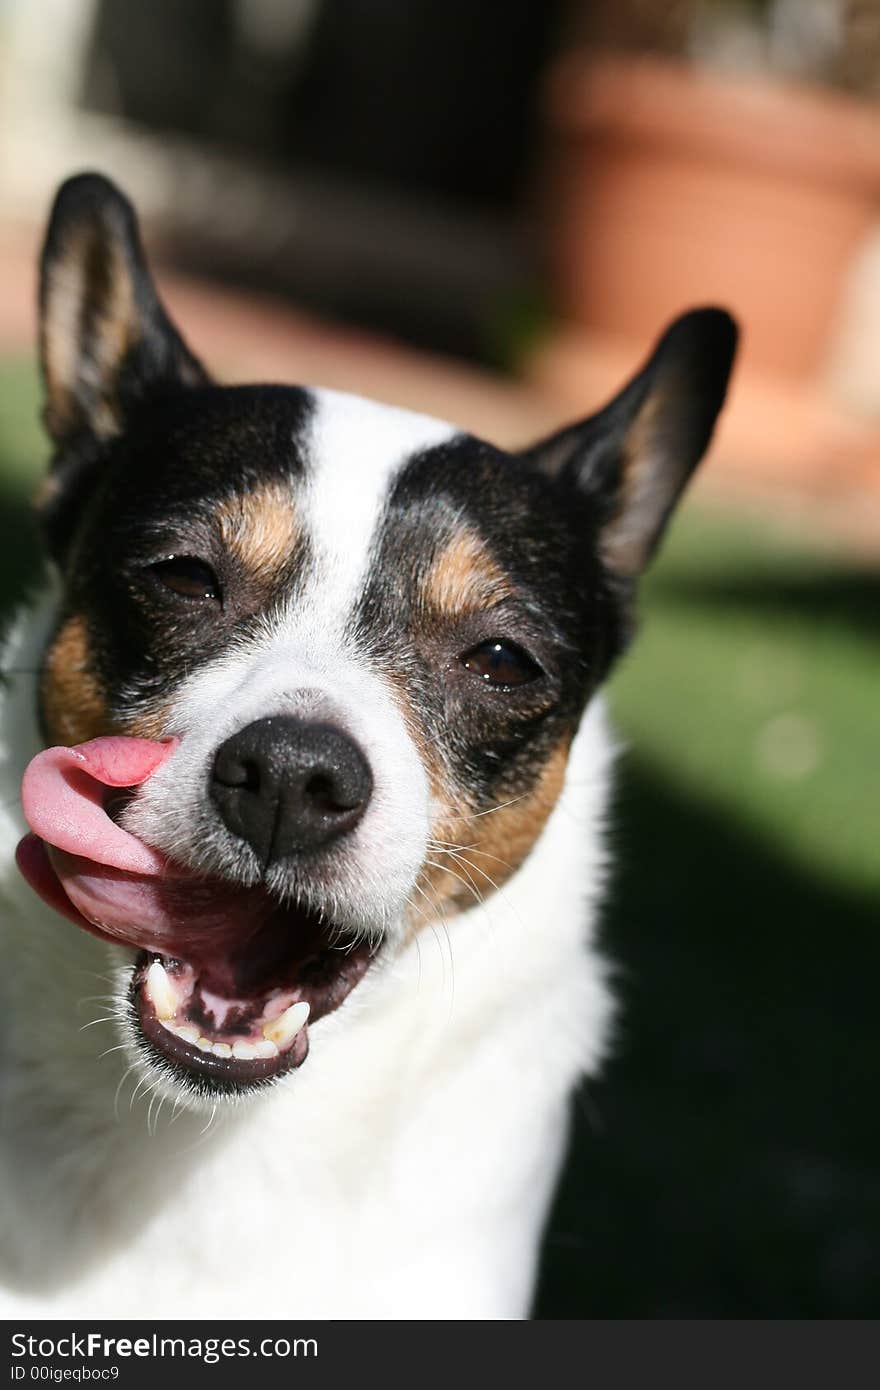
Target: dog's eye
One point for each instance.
(187, 576)
(501, 664)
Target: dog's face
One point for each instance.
(373, 636)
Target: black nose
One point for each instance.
(285, 784)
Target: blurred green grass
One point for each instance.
(22, 445)
(754, 685)
(727, 1162)
(23, 455)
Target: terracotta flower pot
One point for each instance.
(668, 187)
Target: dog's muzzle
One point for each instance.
(229, 977)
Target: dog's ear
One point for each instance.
(633, 458)
(106, 343)
(105, 339)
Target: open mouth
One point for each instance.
(233, 1023)
(227, 978)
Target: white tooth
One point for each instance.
(161, 991)
(204, 1044)
(187, 1032)
(282, 1031)
(221, 1050)
(245, 1052)
(266, 1049)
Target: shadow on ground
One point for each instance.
(728, 1162)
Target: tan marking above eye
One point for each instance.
(260, 528)
(464, 578)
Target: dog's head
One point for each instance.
(366, 629)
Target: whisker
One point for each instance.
(458, 860)
(108, 1018)
(162, 1100)
(144, 1081)
(490, 811)
(446, 869)
(433, 906)
(122, 1080)
(504, 897)
(440, 920)
(93, 975)
(436, 937)
(430, 915)
(477, 870)
(451, 970)
(210, 1125)
(447, 846)
(433, 842)
(204, 1133)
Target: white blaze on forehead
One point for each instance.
(294, 661)
(355, 449)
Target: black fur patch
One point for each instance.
(543, 536)
(157, 491)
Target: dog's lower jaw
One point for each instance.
(403, 1171)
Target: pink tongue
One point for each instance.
(63, 801)
(102, 878)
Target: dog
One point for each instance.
(316, 767)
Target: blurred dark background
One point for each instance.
(489, 213)
(400, 134)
